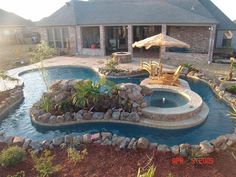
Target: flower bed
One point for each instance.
(64, 103)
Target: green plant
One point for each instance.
(111, 66)
(231, 89)
(231, 69)
(46, 104)
(43, 164)
(150, 172)
(170, 175)
(42, 51)
(18, 174)
(190, 67)
(11, 156)
(232, 114)
(76, 156)
(88, 93)
(65, 106)
(4, 76)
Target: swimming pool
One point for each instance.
(19, 123)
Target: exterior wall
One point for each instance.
(219, 38)
(88, 51)
(196, 37)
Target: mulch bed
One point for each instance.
(106, 161)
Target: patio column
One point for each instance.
(211, 43)
(79, 39)
(102, 40)
(130, 39)
(163, 31)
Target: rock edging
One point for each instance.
(15, 97)
(204, 148)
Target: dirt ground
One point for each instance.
(11, 56)
(106, 161)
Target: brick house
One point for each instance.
(15, 29)
(100, 27)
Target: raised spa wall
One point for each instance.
(8, 104)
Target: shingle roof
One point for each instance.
(224, 21)
(11, 19)
(63, 16)
(108, 12)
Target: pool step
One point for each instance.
(187, 123)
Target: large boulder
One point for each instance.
(98, 115)
(206, 147)
(143, 143)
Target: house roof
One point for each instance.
(223, 21)
(11, 19)
(108, 12)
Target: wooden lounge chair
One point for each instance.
(172, 79)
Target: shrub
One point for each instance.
(43, 164)
(18, 174)
(76, 156)
(42, 51)
(46, 104)
(149, 173)
(87, 93)
(231, 89)
(11, 156)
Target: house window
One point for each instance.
(58, 37)
(91, 37)
(227, 39)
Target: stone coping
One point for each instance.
(174, 114)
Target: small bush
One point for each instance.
(46, 104)
(43, 164)
(11, 156)
(231, 89)
(149, 173)
(18, 174)
(76, 156)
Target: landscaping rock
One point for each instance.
(108, 114)
(163, 148)
(68, 117)
(87, 138)
(57, 141)
(124, 115)
(143, 143)
(77, 140)
(106, 135)
(116, 115)
(184, 150)
(18, 140)
(153, 146)
(44, 117)
(219, 141)
(106, 142)
(131, 143)
(124, 143)
(96, 136)
(87, 116)
(78, 116)
(35, 146)
(52, 119)
(69, 139)
(60, 119)
(98, 115)
(134, 117)
(116, 140)
(9, 140)
(26, 144)
(206, 147)
(175, 150)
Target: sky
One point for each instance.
(38, 9)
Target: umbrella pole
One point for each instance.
(160, 53)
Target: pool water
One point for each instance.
(165, 99)
(19, 123)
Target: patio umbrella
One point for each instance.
(160, 40)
